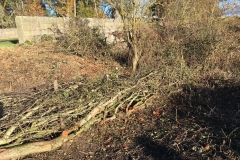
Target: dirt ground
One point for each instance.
(125, 138)
(151, 133)
(29, 68)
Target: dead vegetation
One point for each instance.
(182, 103)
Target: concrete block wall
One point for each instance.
(106, 26)
(8, 34)
(33, 28)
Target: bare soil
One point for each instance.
(35, 67)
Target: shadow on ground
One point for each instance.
(155, 150)
(1, 109)
(200, 122)
(210, 116)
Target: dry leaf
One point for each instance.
(206, 148)
(156, 113)
(131, 110)
(108, 140)
(128, 140)
(125, 147)
(65, 133)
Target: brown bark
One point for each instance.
(32, 148)
(136, 57)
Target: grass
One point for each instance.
(5, 44)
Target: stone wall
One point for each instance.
(8, 34)
(32, 28)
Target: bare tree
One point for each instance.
(132, 14)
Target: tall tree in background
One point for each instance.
(89, 9)
(80, 8)
(70, 7)
(189, 14)
(33, 8)
(158, 9)
(85, 9)
(63, 7)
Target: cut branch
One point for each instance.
(48, 113)
(36, 147)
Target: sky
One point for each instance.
(233, 4)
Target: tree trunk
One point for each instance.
(95, 8)
(136, 56)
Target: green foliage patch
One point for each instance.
(5, 44)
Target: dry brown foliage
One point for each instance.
(188, 68)
(83, 40)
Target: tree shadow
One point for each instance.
(215, 107)
(155, 150)
(1, 109)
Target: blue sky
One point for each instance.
(234, 10)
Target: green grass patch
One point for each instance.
(5, 44)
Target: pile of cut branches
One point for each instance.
(43, 121)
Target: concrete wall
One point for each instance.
(106, 26)
(32, 28)
(8, 34)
